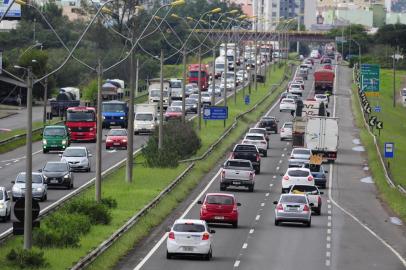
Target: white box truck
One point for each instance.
(154, 93)
(321, 136)
(145, 118)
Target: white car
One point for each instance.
(322, 98)
(206, 98)
(296, 176)
(217, 90)
(287, 104)
(5, 204)
(258, 140)
(286, 131)
(189, 237)
(313, 195)
(296, 89)
(177, 103)
(77, 157)
(39, 187)
(301, 153)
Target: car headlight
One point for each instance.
(121, 117)
(151, 125)
(1, 205)
(66, 176)
(124, 140)
(45, 177)
(44, 141)
(63, 141)
(104, 117)
(109, 140)
(39, 189)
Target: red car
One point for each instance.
(219, 208)
(328, 66)
(173, 113)
(116, 138)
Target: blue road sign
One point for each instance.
(247, 99)
(389, 149)
(377, 109)
(215, 113)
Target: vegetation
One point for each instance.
(23, 258)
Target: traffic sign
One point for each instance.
(215, 113)
(389, 149)
(370, 77)
(367, 109)
(372, 121)
(19, 209)
(379, 125)
(377, 109)
(247, 99)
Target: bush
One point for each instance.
(109, 202)
(180, 141)
(98, 213)
(22, 258)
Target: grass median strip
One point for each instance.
(132, 197)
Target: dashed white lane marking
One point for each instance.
(270, 185)
(328, 201)
(329, 218)
(251, 231)
(237, 263)
(257, 217)
(328, 245)
(8, 164)
(244, 246)
(274, 176)
(329, 206)
(327, 262)
(287, 143)
(262, 204)
(329, 212)
(328, 224)
(283, 155)
(328, 238)
(277, 168)
(328, 254)
(285, 149)
(328, 231)
(267, 194)
(280, 161)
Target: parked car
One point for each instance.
(269, 123)
(313, 195)
(287, 104)
(5, 204)
(39, 187)
(219, 208)
(58, 173)
(257, 139)
(301, 153)
(173, 113)
(190, 237)
(116, 138)
(78, 158)
(296, 176)
(248, 152)
(55, 138)
(286, 131)
(237, 172)
(293, 208)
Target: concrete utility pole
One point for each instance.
(199, 87)
(225, 75)
(213, 92)
(184, 87)
(130, 124)
(99, 134)
(235, 72)
(256, 60)
(243, 70)
(28, 164)
(44, 117)
(161, 103)
(298, 29)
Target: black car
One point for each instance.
(58, 173)
(190, 105)
(269, 123)
(248, 152)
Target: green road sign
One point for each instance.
(370, 75)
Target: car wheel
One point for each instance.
(251, 188)
(308, 223)
(276, 222)
(107, 148)
(13, 199)
(168, 255)
(44, 151)
(44, 198)
(257, 171)
(9, 216)
(208, 256)
(88, 169)
(318, 210)
(235, 224)
(222, 187)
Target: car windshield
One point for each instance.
(321, 96)
(189, 227)
(301, 152)
(293, 199)
(72, 152)
(55, 167)
(230, 58)
(144, 117)
(113, 107)
(174, 109)
(157, 93)
(60, 131)
(288, 101)
(295, 86)
(206, 95)
(176, 84)
(80, 116)
(298, 173)
(237, 163)
(219, 66)
(254, 138)
(36, 178)
(217, 199)
(306, 189)
(245, 147)
(117, 132)
(190, 101)
(1, 196)
(195, 74)
(288, 125)
(176, 103)
(257, 130)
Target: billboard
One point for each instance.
(14, 13)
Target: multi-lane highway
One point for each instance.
(353, 231)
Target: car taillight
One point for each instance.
(251, 176)
(286, 177)
(279, 207)
(310, 178)
(232, 155)
(235, 209)
(258, 157)
(171, 235)
(205, 236)
(306, 208)
(319, 200)
(223, 173)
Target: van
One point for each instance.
(55, 138)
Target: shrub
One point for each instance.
(98, 213)
(22, 258)
(180, 141)
(109, 202)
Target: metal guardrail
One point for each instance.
(388, 179)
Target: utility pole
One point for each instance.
(243, 70)
(99, 133)
(394, 76)
(28, 166)
(44, 117)
(130, 125)
(161, 103)
(225, 75)
(184, 87)
(298, 29)
(256, 58)
(199, 87)
(235, 72)
(213, 92)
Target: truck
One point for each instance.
(298, 131)
(249, 152)
(329, 50)
(145, 118)
(323, 81)
(176, 89)
(67, 97)
(321, 136)
(237, 172)
(113, 89)
(219, 66)
(154, 92)
(81, 122)
(115, 113)
(193, 76)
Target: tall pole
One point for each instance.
(99, 134)
(256, 56)
(298, 29)
(161, 103)
(44, 117)
(184, 87)
(225, 75)
(199, 86)
(243, 70)
(394, 78)
(28, 167)
(235, 73)
(213, 92)
(130, 125)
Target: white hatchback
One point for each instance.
(296, 176)
(287, 104)
(258, 140)
(296, 89)
(286, 131)
(189, 237)
(322, 98)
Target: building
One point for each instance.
(328, 4)
(246, 6)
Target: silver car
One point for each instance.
(301, 153)
(77, 157)
(293, 208)
(39, 187)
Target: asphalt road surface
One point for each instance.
(353, 231)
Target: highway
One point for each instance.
(353, 231)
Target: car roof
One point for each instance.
(195, 221)
(288, 123)
(288, 99)
(220, 194)
(254, 134)
(77, 147)
(299, 169)
(55, 126)
(290, 194)
(238, 159)
(34, 173)
(56, 162)
(300, 148)
(264, 129)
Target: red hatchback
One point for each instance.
(116, 138)
(173, 113)
(219, 208)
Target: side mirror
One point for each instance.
(321, 192)
(212, 231)
(311, 204)
(60, 155)
(199, 202)
(13, 182)
(275, 202)
(238, 204)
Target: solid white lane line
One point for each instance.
(257, 217)
(244, 246)
(251, 231)
(237, 263)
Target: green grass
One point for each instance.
(132, 197)
(395, 200)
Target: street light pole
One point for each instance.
(161, 101)
(199, 86)
(225, 74)
(130, 125)
(99, 134)
(184, 87)
(213, 92)
(256, 54)
(44, 117)
(28, 170)
(235, 72)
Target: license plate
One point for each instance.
(112, 123)
(236, 183)
(80, 134)
(54, 145)
(293, 209)
(219, 217)
(116, 143)
(187, 248)
(53, 181)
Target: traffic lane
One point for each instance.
(19, 120)
(354, 190)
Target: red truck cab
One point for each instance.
(323, 81)
(81, 122)
(194, 75)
